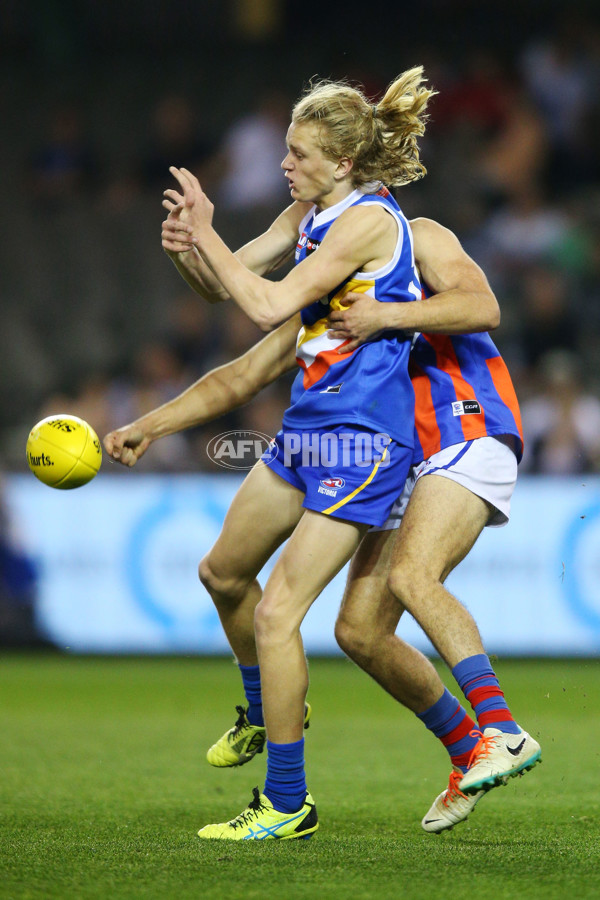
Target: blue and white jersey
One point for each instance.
(369, 386)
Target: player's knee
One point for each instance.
(206, 575)
(219, 584)
(407, 582)
(273, 621)
(354, 640)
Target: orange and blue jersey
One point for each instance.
(369, 386)
(462, 391)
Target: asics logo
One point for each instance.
(253, 744)
(263, 831)
(516, 750)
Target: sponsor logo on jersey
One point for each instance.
(466, 408)
(330, 486)
(307, 242)
(300, 244)
(332, 389)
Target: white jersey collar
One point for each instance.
(332, 212)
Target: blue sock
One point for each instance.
(478, 682)
(251, 682)
(452, 725)
(285, 785)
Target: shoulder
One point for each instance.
(372, 218)
(429, 236)
(298, 211)
(290, 219)
(429, 229)
(443, 261)
(362, 234)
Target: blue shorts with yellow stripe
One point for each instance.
(345, 472)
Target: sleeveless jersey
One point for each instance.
(369, 386)
(462, 391)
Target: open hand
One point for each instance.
(197, 210)
(176, 235)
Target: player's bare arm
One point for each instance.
(354, 242)
(263, 255)
(216, 393)
(185, 258)
(360, 239)
(462, 303)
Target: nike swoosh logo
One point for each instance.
(516, 750)
(429, 821)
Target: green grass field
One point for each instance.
(104, 785)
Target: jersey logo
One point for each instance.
(330, 486)
(466, 408)
(333, 389)
(333, 482)
(300, 245)
(307, 242)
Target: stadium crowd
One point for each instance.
(96, 323)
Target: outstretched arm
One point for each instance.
(359, 236)
(186, 258)
(213, 395)
(261, 256)
(462, 301)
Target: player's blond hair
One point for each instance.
(381, 139)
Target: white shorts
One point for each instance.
(486, 466)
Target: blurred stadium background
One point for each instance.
(97, 101)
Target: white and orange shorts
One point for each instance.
(486, 466)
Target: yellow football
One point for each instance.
(63, 451)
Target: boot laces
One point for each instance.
(240, 723)
(251, 812)
(453, 791)
(482, 748)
